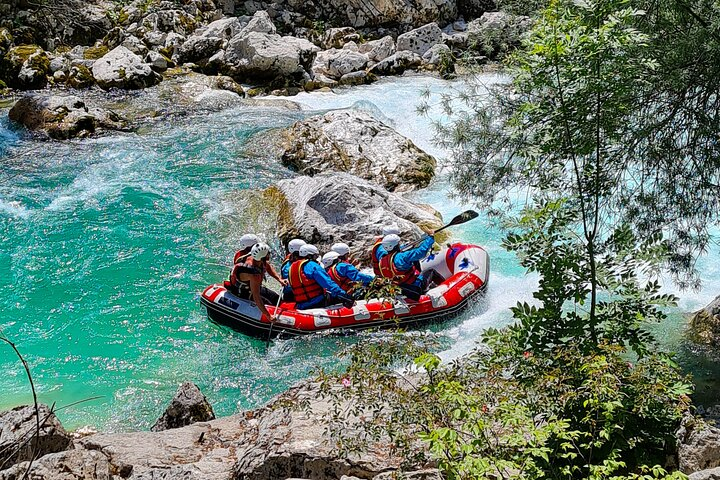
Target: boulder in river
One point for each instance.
(121, 68)
(258, 55)
(335, 63)
(378, 50)
(62, 117)
(420, 40)
(705, 324)
(25, 66)
(396, 63)
(355, 142)
(187, 407)
(340, 207)
(18, 428)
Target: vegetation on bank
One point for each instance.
(609, 123)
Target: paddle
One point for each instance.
(459, 219)
(272, 320)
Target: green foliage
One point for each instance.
(548, 243)
(501, 412)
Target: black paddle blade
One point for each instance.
(465, 216)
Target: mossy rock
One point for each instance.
(94, 53)
(254, 92)
(80, 77)
(62, 49)
(33, 58)
(6, 40)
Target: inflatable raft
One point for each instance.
(464, 267)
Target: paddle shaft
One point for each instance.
(466, 216)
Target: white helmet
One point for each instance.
(389, 242)
(391, 229)
(308, 250)
(295, 244)
(329, 258)
(248, 240)
(341, 248)
(260, 251)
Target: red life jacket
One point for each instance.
(389, 270)
(373, 257)
(304, 288)
(343, 282)
(241, 255)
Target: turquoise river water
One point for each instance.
(107, 243)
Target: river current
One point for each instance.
(107, 243)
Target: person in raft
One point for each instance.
(249, 276)
(338, 266)
(246, 243)
(293, 254)
(312, 286)
(401, 266)
(378, 251)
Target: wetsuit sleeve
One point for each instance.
(404, 260)
(355, 275)
(317, 273)
(285, 270)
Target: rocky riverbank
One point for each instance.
(285, 439)
(279, 48)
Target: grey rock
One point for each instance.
(260, 23)
(705, 324)
(122, 68)
(62, 117)
(420, 40)
(173, 42)
(135, 45)
(69, 465)
(267, 56)
(698, 446)
(355, 142)
(187, 407)
(426, 474)
(155, 39)
(437, 55)
(225, 28)
(197, 48)
(58, 63)
(356, 78)
(338, 37)
(710, 474)
(156, 61)
(320, 81)
(340, 207)
(18, 428)
(397, 63)
(335, 63)
(378, 50)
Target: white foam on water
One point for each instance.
(14, 208)
(492, 310)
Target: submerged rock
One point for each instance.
(340, 207)
(353, 141)
(18, 428)
(705, 324)
(187, 407)
(62, 117)
(121, 68)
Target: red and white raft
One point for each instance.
(465, 267)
